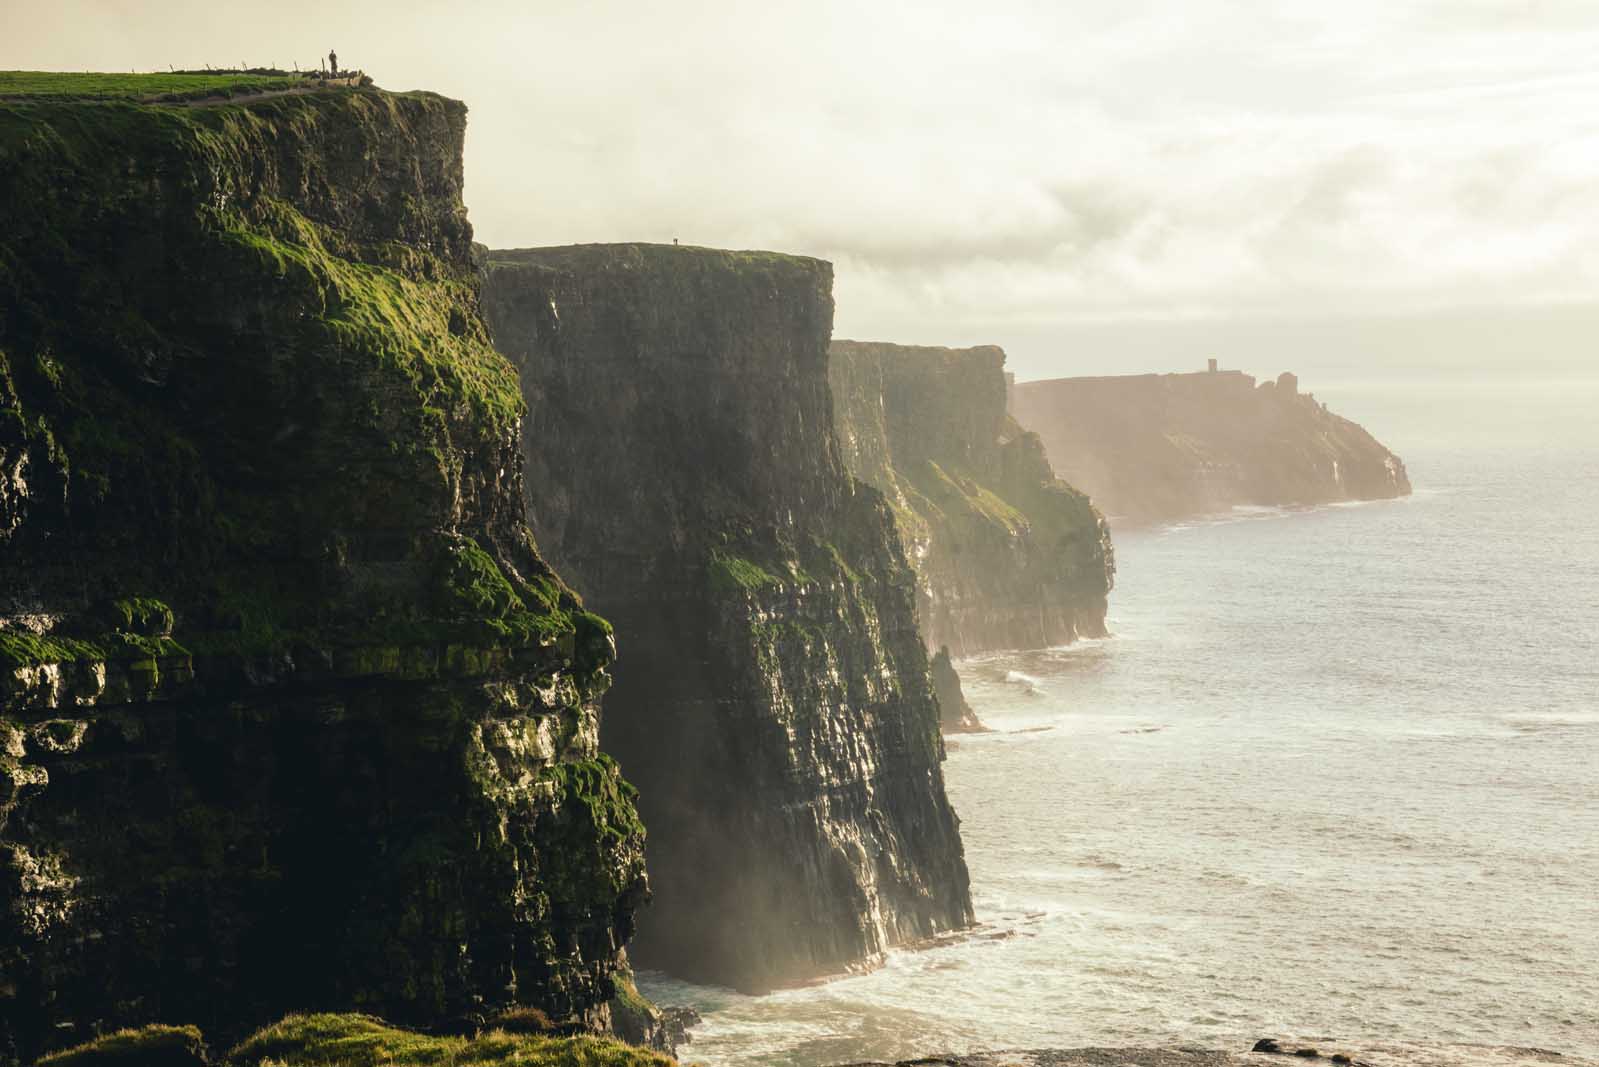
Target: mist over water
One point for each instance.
(1333, 776)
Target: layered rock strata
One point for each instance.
(1006, 554)
(292, 713)
(1158, 447)
(772, 701)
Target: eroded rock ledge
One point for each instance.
(772, 699)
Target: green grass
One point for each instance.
(952, 496)
(472, 584)
(19, 648)
(363, 1041)
(731, 573)
(415, 327)
(147, 1046)
(89, 86)
(353, 1041)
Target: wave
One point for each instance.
(1257, 512)
(1534, 720)
(1026, 682)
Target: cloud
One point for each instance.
(1014, 161)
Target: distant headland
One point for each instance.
(1150, 448)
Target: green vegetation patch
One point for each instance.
(935, 492)
(363, 1041)
(413, 326)
(137, 629)
(628, 998)
(472, 584)
(147, 87)
(142, 615)
(147, 1046)
(19, 648)
(597, 786)
(730, 573)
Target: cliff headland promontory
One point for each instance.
(1158, 447)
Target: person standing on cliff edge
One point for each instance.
(333, 63)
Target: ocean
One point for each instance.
(1333, 775)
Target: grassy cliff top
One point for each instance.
(356, 1041)
(142, 87)
(642, 252)
(892, 349)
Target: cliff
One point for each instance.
(1158, 447)
(773, 699)
(292, 713)
(1006, 554)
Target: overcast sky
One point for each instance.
(1098, 186)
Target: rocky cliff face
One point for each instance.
(1006, 555)
(292, 714)
(772, 699)
(1157, 447)
(955, 715)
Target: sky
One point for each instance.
(1364, 187)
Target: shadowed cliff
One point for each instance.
(772, 699)
(1158, 447)
(1006, 555)
(292, 714)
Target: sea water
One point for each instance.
(1336, 773)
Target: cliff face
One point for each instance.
(1006, 555)
(292, 714)
(1157, 447)
(773, 700)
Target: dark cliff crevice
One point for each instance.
(292, 713)
(1006, 555)
(1158, 447)
(772, 698)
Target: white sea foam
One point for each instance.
(1553, 718)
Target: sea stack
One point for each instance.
(773, 698)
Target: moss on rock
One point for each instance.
(263, 538)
